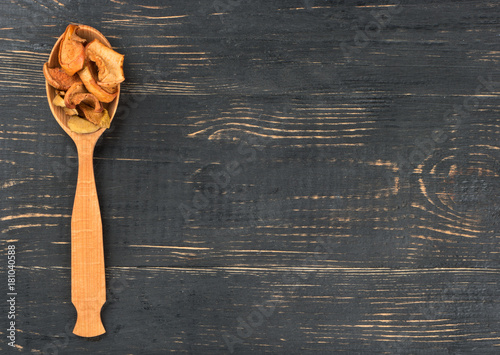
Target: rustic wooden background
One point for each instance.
(286, 177)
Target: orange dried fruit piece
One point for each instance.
(72, 51)
(74, 89)
(88, 99)
(109, 64)
(58, 78)
(87, 75)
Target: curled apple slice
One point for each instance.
(72, 51)
(59, 101)
(88, 99)
(58, 78)
(78, 93)
(109, 64)
(74, 89)
(87, 75)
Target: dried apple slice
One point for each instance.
(74, 89)
(111, 89)
(58, 79)
(86, 98)
(81, 125)
(77, 38)
(99, 118)
(88, 78)
(58, 101)
(109, 64)
(78, 93)
(72, 51)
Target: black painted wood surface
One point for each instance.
(281, 177)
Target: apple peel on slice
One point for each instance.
(88, 99)
(109, 64)
(58, 78)
(72, 51)
(87, 76)
(74, 89)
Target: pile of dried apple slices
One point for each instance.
(88, 78)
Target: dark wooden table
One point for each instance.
(281, 177)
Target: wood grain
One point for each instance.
(88, 284)
(343, 221)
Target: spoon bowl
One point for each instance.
(88, 33)
(88, 283)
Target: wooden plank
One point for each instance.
(213, 310)
(257, 141)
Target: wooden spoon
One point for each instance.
(88, 283)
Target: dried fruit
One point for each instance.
(99, 118)
(87, 75)
(74, 89)
(109, 64)
(58, 101)
(58, 78)
(71, 111)
(72, 51)
(86, 98)
(81, 125)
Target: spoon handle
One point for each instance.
(88, 283)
